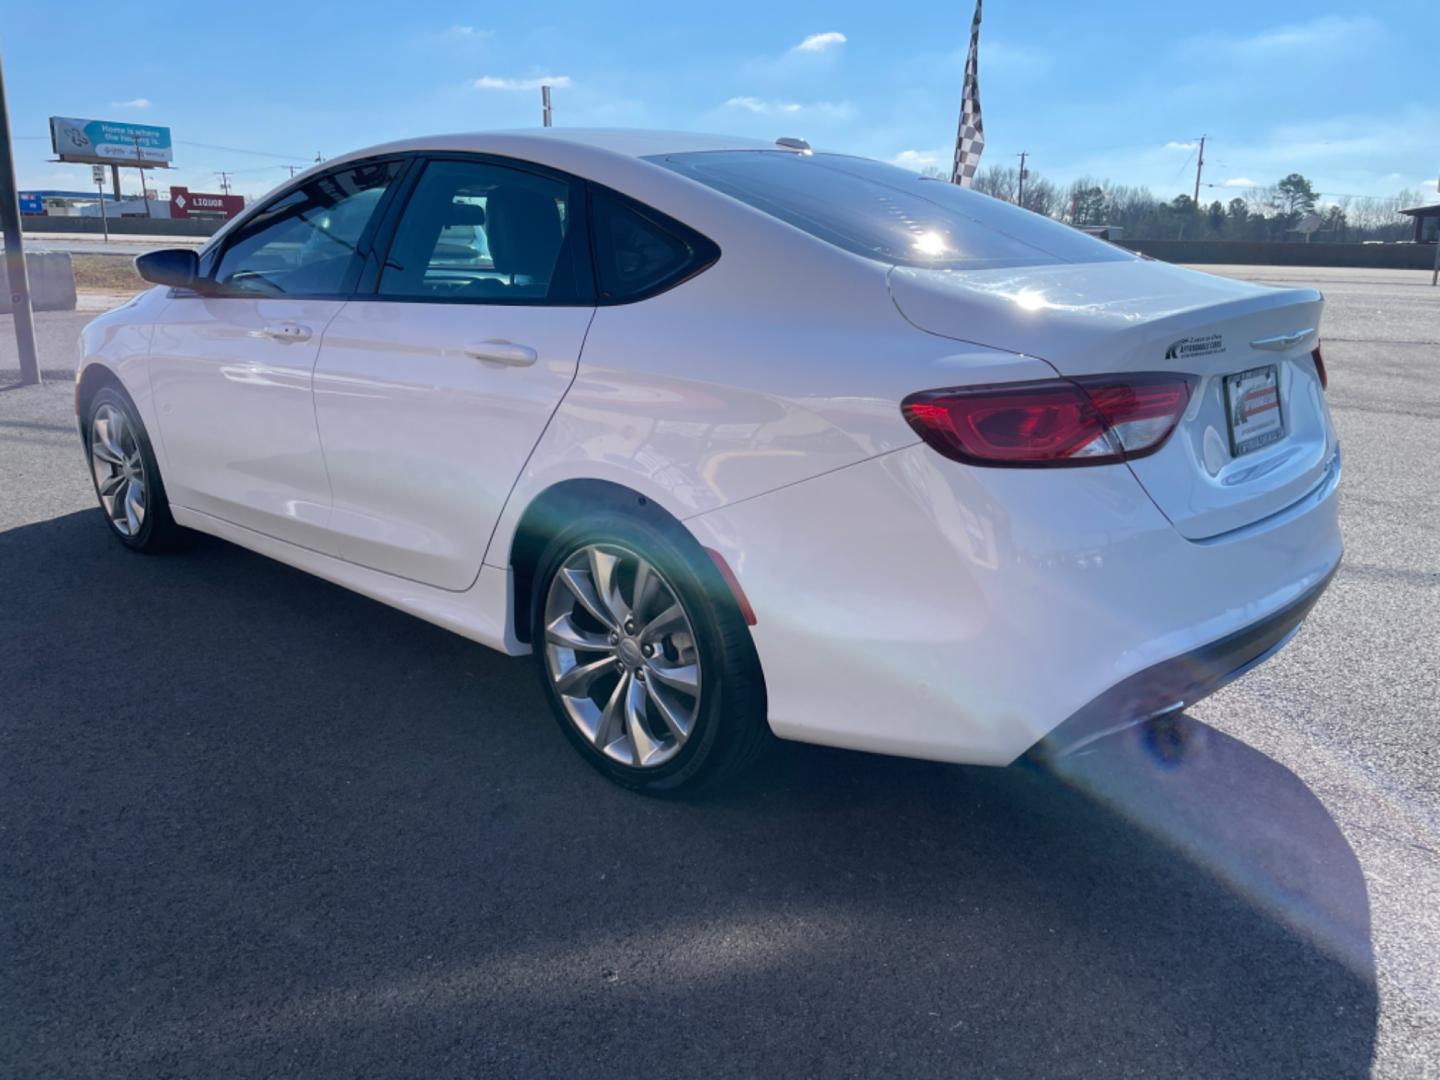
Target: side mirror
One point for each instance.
(176, 267)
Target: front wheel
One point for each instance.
(645, 657)
(126, 476)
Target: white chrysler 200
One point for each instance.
(736, 438)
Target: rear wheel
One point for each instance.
(126, 476)
(645, 657)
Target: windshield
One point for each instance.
(887, 213)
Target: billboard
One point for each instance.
(31, 203)
(107, 142)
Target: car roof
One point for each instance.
(551, 143)
(610, 156)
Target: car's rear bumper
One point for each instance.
(1172, 685)
(909, 605)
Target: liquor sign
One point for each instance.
(108, 142)
(184, 203)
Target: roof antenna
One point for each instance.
(790, 143)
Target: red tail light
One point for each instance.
(1320, 367)
(1094, 420)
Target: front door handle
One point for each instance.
(287, 331)
(503, 352)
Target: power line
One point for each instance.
(239, 150)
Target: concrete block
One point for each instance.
(52, 282)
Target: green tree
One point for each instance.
(1295, 194)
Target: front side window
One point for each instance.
(483, 233)
(307, 243)
(888, 214)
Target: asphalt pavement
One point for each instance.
(254, 825)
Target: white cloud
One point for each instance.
(493, 82)
(915, 159)
(1321, 38)
(1173, 145)
(1240, 182)
(1328, 33)
(817, 43)
(763, 107)
(133, 103)
(458, 31)
(755, 105)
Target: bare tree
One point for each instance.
(998, 181)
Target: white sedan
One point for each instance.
(736, 438)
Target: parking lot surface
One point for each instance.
(254, 825)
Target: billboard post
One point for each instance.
(144, 191)
(16, 278)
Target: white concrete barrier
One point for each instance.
(52, 282)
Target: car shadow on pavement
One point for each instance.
(257, 825)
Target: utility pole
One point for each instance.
(17, 281)
(1020, 197)
(545, 105)
(225, 181)
(1199, 164)
(292, 169)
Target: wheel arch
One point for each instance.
(92, 378)
(555, 509)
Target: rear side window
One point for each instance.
(639, 251)
(887, 213)
(477, 232)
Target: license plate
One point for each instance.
(1252, 402)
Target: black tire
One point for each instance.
(157, 531)
(730, 726)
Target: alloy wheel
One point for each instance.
(119, 469)
(621, 654)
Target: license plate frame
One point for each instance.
(1254, 410)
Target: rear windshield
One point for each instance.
(887, 213)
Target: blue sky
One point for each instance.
(1345, 95)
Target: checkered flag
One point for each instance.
(970, 139)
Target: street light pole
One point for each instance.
(17, 280)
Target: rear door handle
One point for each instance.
(287, 331)
(503, 352)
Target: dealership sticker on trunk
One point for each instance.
(1252, 402)
(1187, 348)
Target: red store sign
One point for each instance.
(184, 203)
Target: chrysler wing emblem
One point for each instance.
(1282, 341)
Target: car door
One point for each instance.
(431, 392)
(232, 363)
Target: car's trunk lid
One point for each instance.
(1139, 315)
